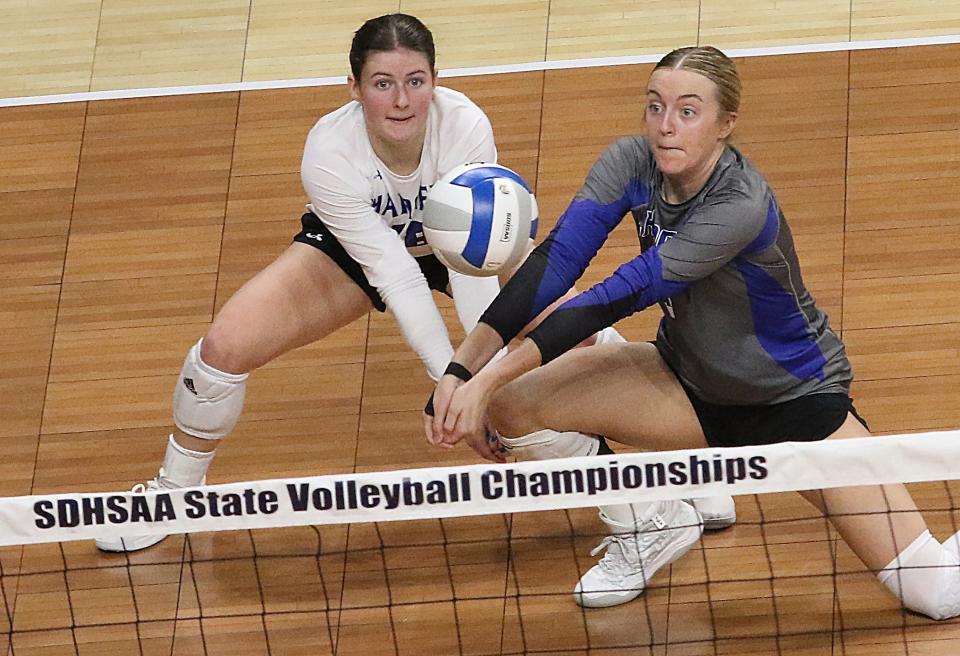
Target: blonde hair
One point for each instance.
(712, 64)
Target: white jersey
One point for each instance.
(376, 214)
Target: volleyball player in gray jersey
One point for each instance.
(748, 332)
(743, 355)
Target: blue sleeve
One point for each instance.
(635, 285)
(556, 264)
(713, 234)
(614, 185)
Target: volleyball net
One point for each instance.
(475, 559)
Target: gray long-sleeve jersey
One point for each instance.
(739, 325)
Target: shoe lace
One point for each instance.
(624, 552)
(150, 486)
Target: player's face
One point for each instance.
(685, 125)
(395, 89)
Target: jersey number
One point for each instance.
(413, 235)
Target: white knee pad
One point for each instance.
(546, 444)
(207, 402)
(926, 577)
(609, 335)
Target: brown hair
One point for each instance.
(712, 64)
(390, 32)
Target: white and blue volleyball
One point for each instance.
(480, 219)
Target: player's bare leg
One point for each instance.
(585, 393)
(882, 525)
(299, 298)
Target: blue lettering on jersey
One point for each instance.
(645, 228)
(652, 235)
(390, 206)
(421, 197)
(387, 206)
(650, 232)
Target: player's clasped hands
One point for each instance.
(460, 414)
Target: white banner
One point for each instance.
(483, 489)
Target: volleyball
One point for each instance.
(480, 219)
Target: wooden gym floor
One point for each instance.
(125, 224)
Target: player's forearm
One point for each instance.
(478, 348)
(517, 362)
(421, 326)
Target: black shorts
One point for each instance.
(809, 418)
(314, 233)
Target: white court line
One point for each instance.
(477, 70)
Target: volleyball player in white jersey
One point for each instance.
(366, 169)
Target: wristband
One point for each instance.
(458, 370)
(454, 369)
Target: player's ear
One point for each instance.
(354, 87)
(728, 120)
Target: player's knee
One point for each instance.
(221, 349)
(926, 577)
(207, 401)
(506, 414)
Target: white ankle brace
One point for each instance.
(183, 467)
(926, 577)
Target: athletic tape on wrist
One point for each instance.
(458, 370)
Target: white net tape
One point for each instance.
(484, 489)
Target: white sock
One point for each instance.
(632, 514)
(183, 467)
